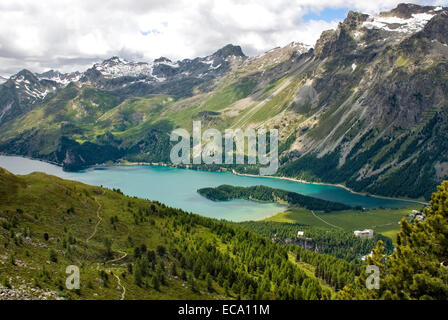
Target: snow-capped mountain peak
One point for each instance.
(163, 69)
(117, 72)
(29, 86)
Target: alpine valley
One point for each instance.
(365, 108)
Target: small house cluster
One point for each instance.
(417, 215)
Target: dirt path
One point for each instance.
(384, 225)
(123, 294)
(124, 254)
(100, 206)
(123, 288)
(331, 225)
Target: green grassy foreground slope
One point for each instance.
(129, 248)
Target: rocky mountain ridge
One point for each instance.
(131, 78)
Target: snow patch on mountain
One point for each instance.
(211, 62)
(396, 24)
(169, 63)
(6, 109)
(151, 72)
(300, 47)
(61, 78)
(118, 67)
(30, 87)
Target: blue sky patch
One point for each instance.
(153, 31)
(327, 14)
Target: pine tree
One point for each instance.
(108, 247)
(138, 277)
(209, 283)
(155, 282)
(173, 270)
(418, 268)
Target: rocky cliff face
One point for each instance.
(367, 106)
(381, 99)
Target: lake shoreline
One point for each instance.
(333, 185)
(282, 178)
(161, 164)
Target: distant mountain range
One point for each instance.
(25, 89)
(366, 106)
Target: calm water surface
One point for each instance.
(177, 188)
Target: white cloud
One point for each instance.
(72, 34)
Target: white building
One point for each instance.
(364, 258)
(365, 234)
(300, 234)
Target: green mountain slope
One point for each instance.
(136, 249)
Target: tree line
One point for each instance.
(263, 193)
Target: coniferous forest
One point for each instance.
(263, 193)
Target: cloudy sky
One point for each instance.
(73, 34)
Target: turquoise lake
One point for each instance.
(177, 188)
